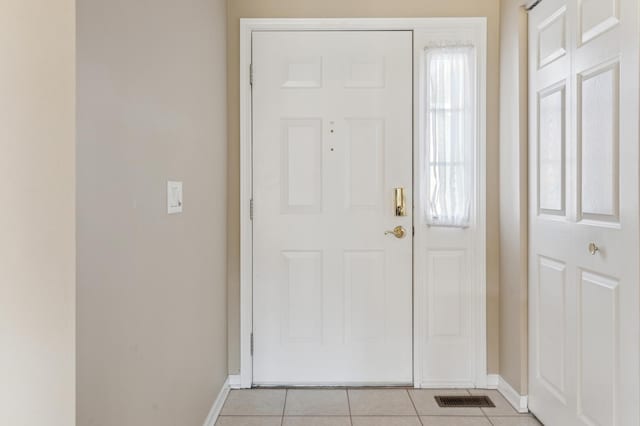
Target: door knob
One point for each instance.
(593, 248)
(398, 232)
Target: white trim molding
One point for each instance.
(235, 381)
(519, 402)
(476, 28)
(216, 408)
(492, 381)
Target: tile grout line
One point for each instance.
(484, 413)
(481, 408)
(349, 405)
(414, 406)
(284, 406)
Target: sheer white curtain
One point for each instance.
(449, 135)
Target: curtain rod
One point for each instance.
(532, 5)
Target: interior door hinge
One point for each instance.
(250, 74)
(251, 344)
(251, 209)
(413, 231)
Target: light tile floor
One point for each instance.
(363, 407)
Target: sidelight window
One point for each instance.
(449, 135)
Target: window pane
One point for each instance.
(450, 135)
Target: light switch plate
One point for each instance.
(174, 197)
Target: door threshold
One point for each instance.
(354, 385)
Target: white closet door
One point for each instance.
(584, 290)
(332, 139)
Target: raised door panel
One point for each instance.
(595, 17)
(550, 362)
(552, 42)
(447, 295)
(301, 163)
(598, 129)
(302, 286)
(365, 287)
(302, 72)
(551, 150)
(598, 319)
(448, 312)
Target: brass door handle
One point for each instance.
(593, 248)
(398, 232)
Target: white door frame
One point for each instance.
(476, 29)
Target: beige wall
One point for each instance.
(513, 195)
(361, 8)
(37, 248)
(152, 318)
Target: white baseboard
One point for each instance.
(519, 402)
(217, 404)
(492, 381)
(235, 381)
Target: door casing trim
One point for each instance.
(478, 26)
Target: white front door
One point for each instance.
(332, 139)
(584, 290)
